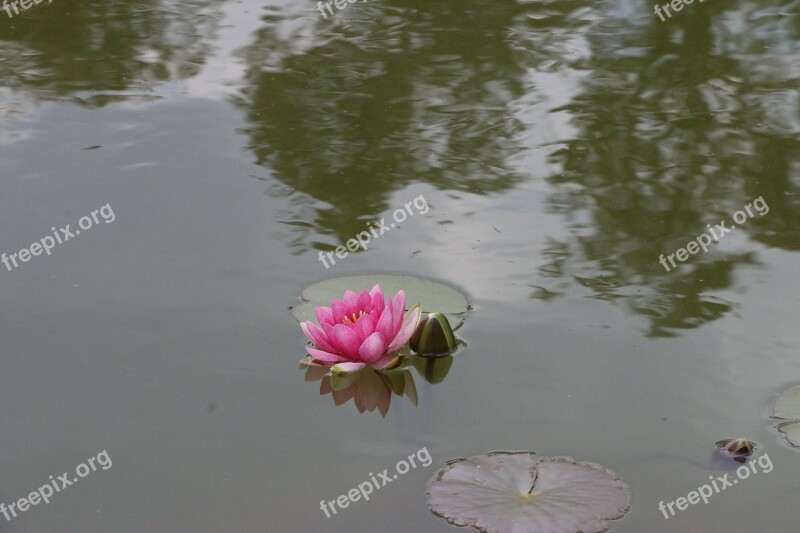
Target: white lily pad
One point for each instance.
(519, 493)
(787, 407)
(433, 296)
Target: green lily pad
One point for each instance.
(433, 296)
(787, 407)
(520, 493)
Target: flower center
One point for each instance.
(354, 317)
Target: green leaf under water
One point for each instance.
(787, 407)
(791, 432)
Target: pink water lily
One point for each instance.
(360, 330)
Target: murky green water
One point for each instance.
(562, 147)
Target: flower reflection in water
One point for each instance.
(372, 389)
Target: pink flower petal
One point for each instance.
(339, 309)
(364, 301)
(372, 348)
(304, 327)
(316, 335)
(409, 325)
(398, 308)
(365, 326)
(384, 325)
(348, 367)
(378, 301)
(346, 340)
(376, 314)
(325, 357)
(324, 314)
(328, 329)
(350, 299)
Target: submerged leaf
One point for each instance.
(787, 407)
(520, 493)
(433, 296)
(791, 432)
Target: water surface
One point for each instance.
(562, 147)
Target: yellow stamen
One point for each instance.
(355, 318)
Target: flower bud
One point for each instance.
(737, 449)
(433, 336)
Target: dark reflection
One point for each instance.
(349, 110)
(103, 48)
(433, 369)
(370, 389)
(681, 124)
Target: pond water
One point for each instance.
(216, 148)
